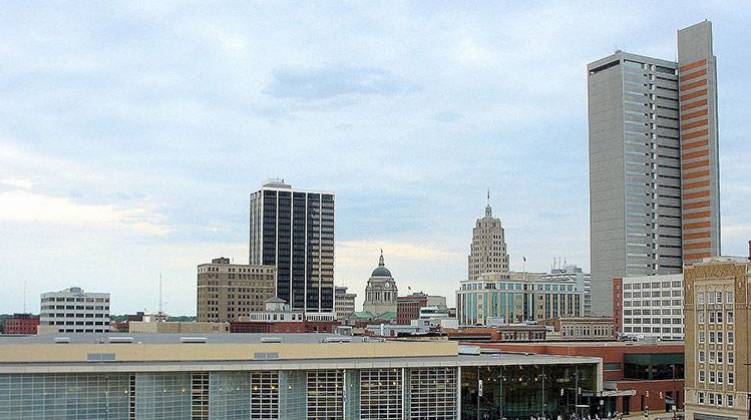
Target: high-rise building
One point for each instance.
(653, 163)
(344, 303)
(649, 306)
(381, 292)
(718, 293)
(294, 231)
(488, 249)
(74, 311)
(227, 291)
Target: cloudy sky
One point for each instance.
(132, 133)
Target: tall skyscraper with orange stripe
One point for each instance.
(700, 168)
(653, 163)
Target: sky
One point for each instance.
(132, 133)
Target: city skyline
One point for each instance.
(121, 157)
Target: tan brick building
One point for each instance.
(717, 339)
(227, 291)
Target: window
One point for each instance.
(730, 317)
(719, 399)
(719, 317)
(701, 356)
(711, 398)
(701, 376)
(700, 317)
(712, 337)
(720, 356)
(730, 400)
(701, 336)
(731, 337)
(729, 297)
(700, 298)
(720, 377)
(701, 398)
(711, 357)
(720, 336)
(712, 377)
(711, 318)
(731, 378)
(731, 357)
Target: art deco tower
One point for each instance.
(488, 249)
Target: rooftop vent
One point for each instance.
(271, 340)
(62, 340)
(193, 340)
(120, 340)
(338, 339)
(469, 350)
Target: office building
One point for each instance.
(638, 376)
(294, 231)
(227, 291)
(509, 298)
(344, 303)
(408, 307)
(653, 163)
(381, 292)
(21, 324)
(74, 311)
(718, 293)
(649, 306)
(573, 274)
(488, 249)
(284, 376)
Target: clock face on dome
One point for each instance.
(388, 285)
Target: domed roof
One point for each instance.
(381, 270)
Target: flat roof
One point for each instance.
(585, 343)
(174, 338)
(166, 353)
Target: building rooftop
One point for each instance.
(157, 352)
(592, 343)
(164, 338)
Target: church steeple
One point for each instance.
(488, 210)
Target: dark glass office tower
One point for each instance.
(294, 230)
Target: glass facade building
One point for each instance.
(496, 392)
(295, 377)
(294, 231)
(505, 298)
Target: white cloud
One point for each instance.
(25, 206)
(22, 183)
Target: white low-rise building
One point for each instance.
(74, 311)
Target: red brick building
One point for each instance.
(408, 307)
(22, 324)
(637, 376)
(618, 305)
(282, 327)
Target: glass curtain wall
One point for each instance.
(496, 392)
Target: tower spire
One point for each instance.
(380, 260)
(488, 210)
